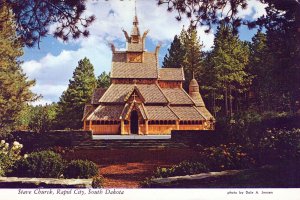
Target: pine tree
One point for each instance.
(14, 85)
(230, 57)
(283, 41)
(193, 55)
(176, 55)
(259, 68)
(78, 93)
(103, 80)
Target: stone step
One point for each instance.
(129, 144)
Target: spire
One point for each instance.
(135, 20)
(135, 29)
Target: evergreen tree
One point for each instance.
(176, 55)
(103, 80)
(230, 57)
(14, 86)
(193, 55)
(259, 67)
(283, 41)
(42, 118)
(78, 93)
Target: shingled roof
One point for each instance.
(160, 113)
(88, 108)
(123, 69)
(171, 74)
(97, 94)
(205, 113)
(116, 93)
(106, 112)
(187, 113)
(177, 96)
(135, 47)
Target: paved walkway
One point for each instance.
(131, 137)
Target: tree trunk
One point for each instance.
(214, 104)
(226, 101)
(230, 102)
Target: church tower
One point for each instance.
(195, 94)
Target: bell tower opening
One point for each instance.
(134, 122)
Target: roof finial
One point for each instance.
(135, 7)
(135, 19)
(193, 75)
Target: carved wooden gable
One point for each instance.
(135, 57)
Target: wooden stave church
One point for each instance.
(144, 99)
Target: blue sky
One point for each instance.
(53, 64)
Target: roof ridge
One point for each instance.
(88, 116)
(168, 100)
(121, 116)
(199, 112)
(145, 110)
(173, 112)
(188, 96)
(131, 91)
(106, 91)
(89, 112)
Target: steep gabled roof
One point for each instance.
(171, 74)
(134, 89)
(187, 113)
(177, 96)
(128, 108)
(205, 113)
(88, 109)
(160, 113)
(106, 112)
(123, 69)
(97, 94)
(116, 93)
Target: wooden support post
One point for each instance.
(122, 127)
(146, 126)
(84, 125)
(90, 125)
(177, 124)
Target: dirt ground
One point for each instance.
(126, 168)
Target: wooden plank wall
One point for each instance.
(106, 129)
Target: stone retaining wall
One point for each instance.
(15, 182)
(52, 138)
(186, 181)
(203, 137)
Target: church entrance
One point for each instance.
(134, 122)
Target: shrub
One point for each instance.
(183, 168)
(278, 145)
(9, 154)
(43, 164)
(98, 181)
(81, 169)
(224, 157)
